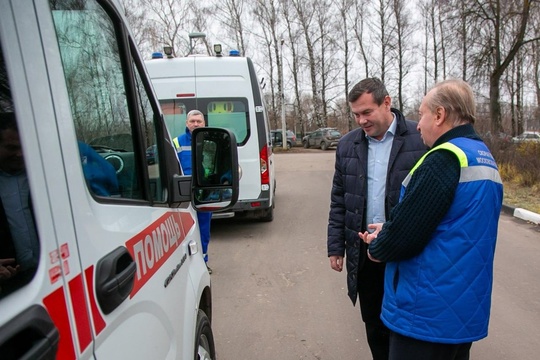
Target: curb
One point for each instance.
(522, 214)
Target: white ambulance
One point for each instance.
(100, 254)
(226, 90)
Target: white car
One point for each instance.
(527, 136)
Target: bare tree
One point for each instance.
(461, 22)
(358, 24)
(170, 22)
(383, 35)
(477, 40)
(266, 12)
(199, 22)
(444, 35)
(230, 14)
(326, 45)
(500, 42)
(510, 83)
(403, 46)
(345, 7)
(141, 29)
(536, 77)
(431, 63)
(293, 33)
(305, 13)
(535, 64)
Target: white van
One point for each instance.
(100, 254)
(226, 90)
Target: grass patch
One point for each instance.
(519, 166)
(522, 197)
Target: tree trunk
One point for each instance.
(494, 105)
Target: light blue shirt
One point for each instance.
(15, 194)
(377, 169)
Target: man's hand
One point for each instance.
(372, 258)
(336, 262)
(369, 237)
(7, 270)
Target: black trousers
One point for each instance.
(406, 348)
(378, 338)
(370, 295)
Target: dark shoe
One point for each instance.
(209, 269)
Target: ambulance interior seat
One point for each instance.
(117, 152)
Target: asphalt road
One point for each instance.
(276, 298)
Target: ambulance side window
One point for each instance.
(175, 115)
(19, 242)
(152, 155)
(230, 114)
(115, 141)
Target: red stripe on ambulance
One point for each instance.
(82, 321)
(99, 323)
(56, 306)
(155, 244)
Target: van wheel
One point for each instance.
(306, 145)
(324, 146)
(268, 214)
(204, 340)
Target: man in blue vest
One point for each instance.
(194, 119)
(439, 243)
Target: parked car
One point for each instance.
(277, 138)
(322, 138)
(151, 154)
(527, 136)
(502, 137)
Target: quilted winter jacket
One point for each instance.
(443, 295)
(348, 202)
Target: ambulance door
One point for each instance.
(42, 299)
(136, 251)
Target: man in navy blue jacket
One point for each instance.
(371, 162)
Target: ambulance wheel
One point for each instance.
(204, 342)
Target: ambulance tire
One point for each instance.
(204, 341)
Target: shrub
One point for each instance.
(518, 163)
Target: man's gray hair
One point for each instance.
(193, 113)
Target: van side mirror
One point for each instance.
(215, 175)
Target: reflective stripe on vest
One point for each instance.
(180, 148)
(467, 173)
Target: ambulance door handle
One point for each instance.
(115, 277)
(29, 335)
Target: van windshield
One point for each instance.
(229, 113)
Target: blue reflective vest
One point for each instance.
(183, 148)
(443, 295)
